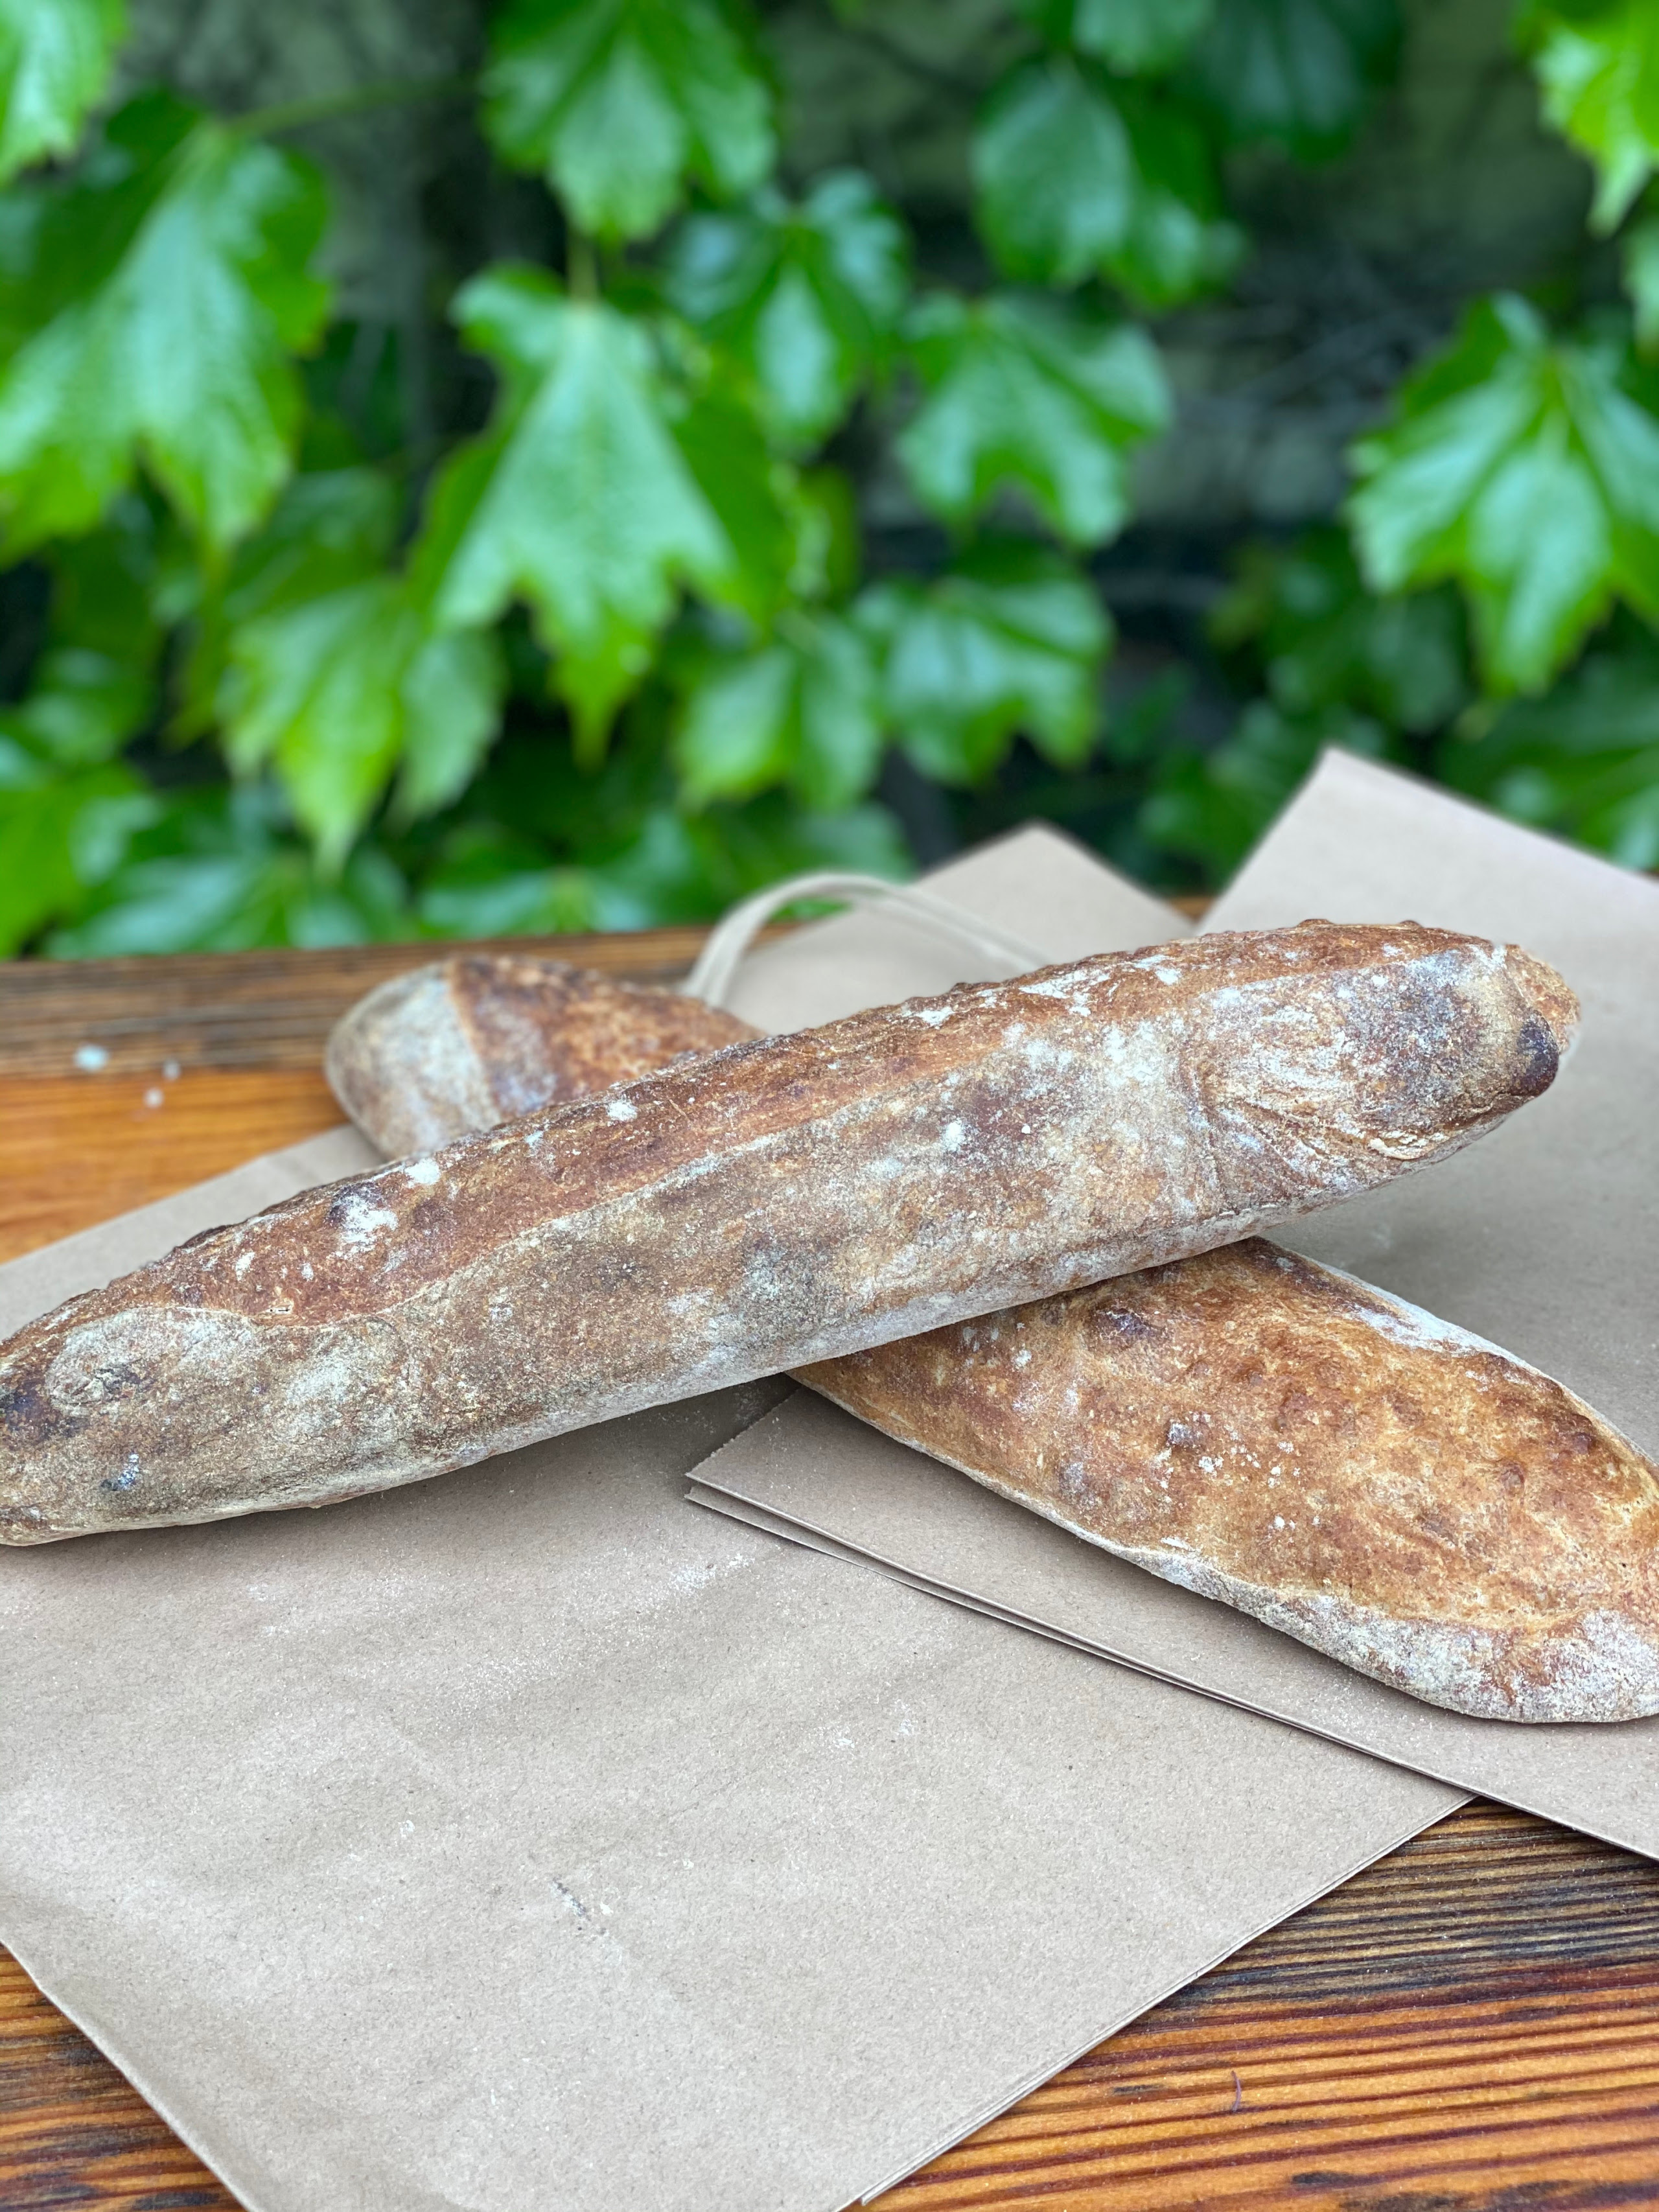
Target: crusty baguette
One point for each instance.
(1461, 1527)
(1376, 1483)
(788, 1200)
(480, 1038)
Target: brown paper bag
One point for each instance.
(1544, 1238)
(527, 1841)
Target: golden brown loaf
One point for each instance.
(788, 1200)
(480, 1038)
(1146, 1407)
(1380, 1485)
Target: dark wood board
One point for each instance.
(268, 1009)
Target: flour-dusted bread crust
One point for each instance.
(1381, 1484)
(788, 1200)
(482, 1037)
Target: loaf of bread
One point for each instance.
(1373, 1482)
(785, 1202)
(1458, 1525)
(482, 1037)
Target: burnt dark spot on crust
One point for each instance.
(27, 1416)
(1537, 1058)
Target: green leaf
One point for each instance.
(1299, 72)
(617, 102)
(579, 499)
(58, 833)
(541, 844)
(1024, 392)
(1640, 260)
(1212, 807)
(103, 586)
(1011, 642)
(334, 690)
(219, 870)
(1077, 176)
(82, 707)
(1138, 37)
(55, 62)
(451, 697)
(1599, 71)
(1519, 468)
(664, 868)
(1323, 641)
(490, 883)
(330, 528)
(802, 711)
(805, 294)
(1584, 761)
(676, 867)
(828, 555)
(755, 499)
(161, 298)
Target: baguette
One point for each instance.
(784, 1202)
(1482, 1538)
(1388, 1489)
(482, 1037)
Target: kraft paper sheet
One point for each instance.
(528, 1841)
(1542, 1238)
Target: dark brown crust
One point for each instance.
(547, 1034)
(1379, 1484)
(787, 1201)
(482, 1038)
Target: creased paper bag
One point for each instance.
(1543, 1237)
(528, 1841)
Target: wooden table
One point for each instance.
(1472, 2025)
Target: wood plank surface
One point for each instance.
(268, 1009)
(1471, 2027)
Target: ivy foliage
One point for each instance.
(1337, 666)
(1027, 394)
(579, 499)
(1137, 38)
(1300, 612)
(1522, 467)
(1598, 65)
(1584, 762)
(603, 645)
(617, 104)
(1299, 73)
(152, 306)
(56, 57)
(1081, 176)
(1007, 641)
(806, 295)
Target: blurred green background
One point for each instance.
(562, 464)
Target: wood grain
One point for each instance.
(1471, 2025)
(268, 1009)
(75, 1149)
(265, 1009)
